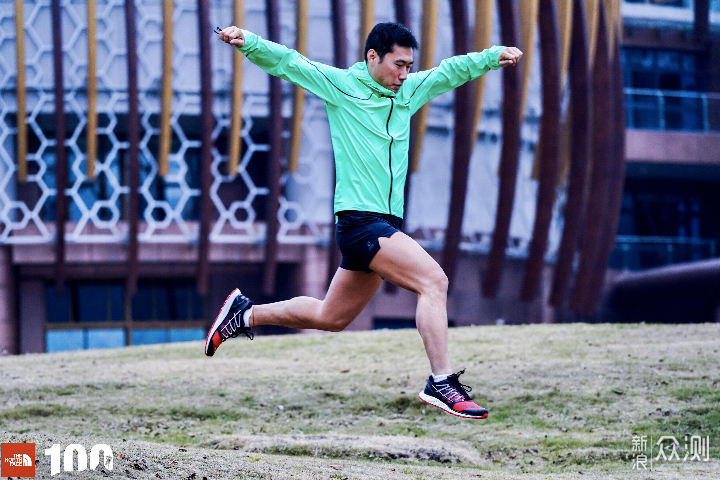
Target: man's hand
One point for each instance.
(233, 36)
(508, 56)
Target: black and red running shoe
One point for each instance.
(229, 322)
(451, 396)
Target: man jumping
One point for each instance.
(369, 107)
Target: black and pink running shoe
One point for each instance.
(229, 322)
(451, 396)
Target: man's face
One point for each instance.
(394, 68)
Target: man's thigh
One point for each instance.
(349, 292)
(402, 261)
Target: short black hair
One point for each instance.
(384, 36)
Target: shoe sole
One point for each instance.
(437, 403)
(218, 320)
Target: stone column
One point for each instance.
(8, 314)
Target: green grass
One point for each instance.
(563, 399)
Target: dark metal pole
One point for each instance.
(617, 183)
(340, 60)
(549, 146)
(402, 13)
(403, 16)
(462, 136)
(274, 157)
(579, 153)
(60, 155)
(207, 122)
(133, 159)
(511, 123)
(596, 206)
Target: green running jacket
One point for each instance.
(369, 124)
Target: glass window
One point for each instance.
(186, 334)
(117, 302)
(155, 300)
(142, 304)
(59, 341)
(149, 336)
(182, 302)
(165, 310)
(85, 302)
(668, 60)
(165, 300)
(106, 338)
(658, 77)
(57, 307)
(380, 323)
(197, 305)
(92, 301)
(656, 68)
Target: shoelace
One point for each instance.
(235, 327)
(454, 390)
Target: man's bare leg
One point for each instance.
(403, 262)
(348, 294)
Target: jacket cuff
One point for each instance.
(494, 53)
(251, 40)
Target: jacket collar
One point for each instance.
(360, 71)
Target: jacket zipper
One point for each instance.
(387, 128)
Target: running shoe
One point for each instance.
(229, 322)
(451, 395)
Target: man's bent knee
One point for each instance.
(339, 325)
(335, 322)
(436, 282)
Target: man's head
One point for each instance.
(389, 54)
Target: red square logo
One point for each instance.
(18, 460)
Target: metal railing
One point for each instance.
(655, 109)
(640, 253)
(664, 3)
(714, 4)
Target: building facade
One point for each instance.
(164, 146)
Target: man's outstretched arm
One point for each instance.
(455, 71)
(283, 62)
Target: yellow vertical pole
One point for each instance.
(237, 95)
(166, 108)
(367, 19)
(565, 13)
(612, 9)
(91, 130)
(481, 40)
(427, 56)
(299, 100)
(528, 27)
(21, 93)
(592, 8)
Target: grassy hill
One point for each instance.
(564, 400)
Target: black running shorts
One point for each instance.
(357, 236)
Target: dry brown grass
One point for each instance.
(563, 399)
